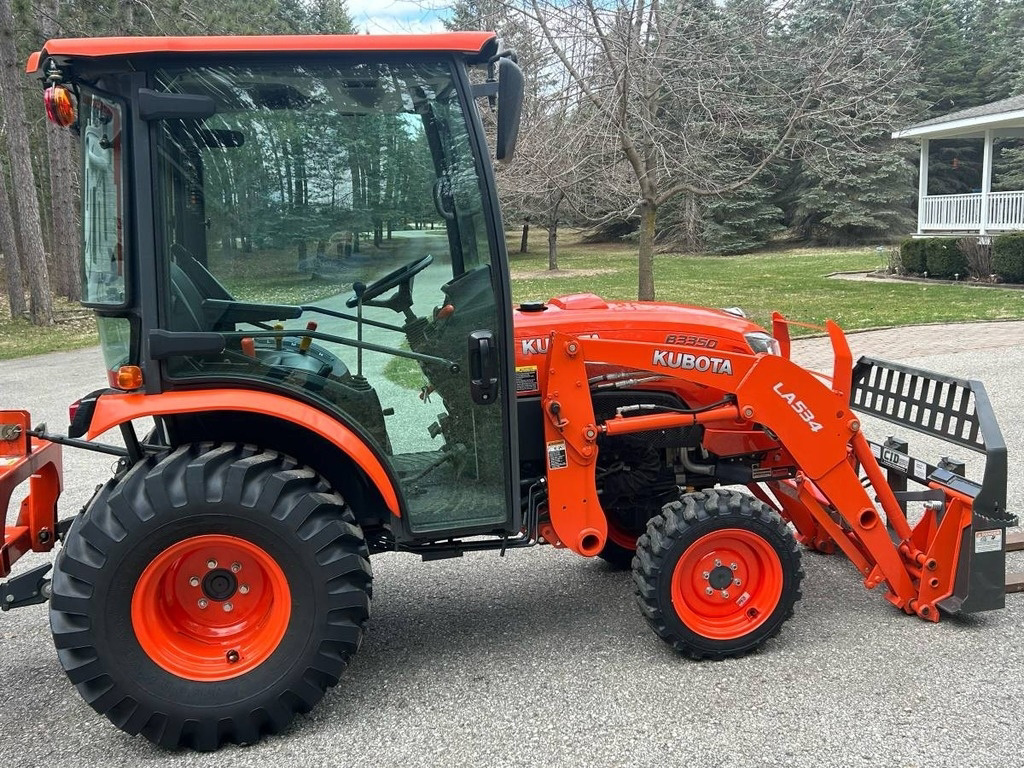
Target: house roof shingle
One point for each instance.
(1012, 104)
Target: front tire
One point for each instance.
(209, 594)
(717, 574)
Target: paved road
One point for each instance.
(541, 658)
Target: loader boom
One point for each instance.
(925, 567)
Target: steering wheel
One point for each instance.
(402, 276)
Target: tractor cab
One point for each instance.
(320, 225)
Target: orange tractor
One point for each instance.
(295, 255)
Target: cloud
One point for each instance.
(397, 16)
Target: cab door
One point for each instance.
(469, 482)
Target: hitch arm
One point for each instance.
(30, 588)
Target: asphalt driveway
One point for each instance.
(541, 657)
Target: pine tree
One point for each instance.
(852, 182)
(745, 220)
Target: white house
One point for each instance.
(982, 213)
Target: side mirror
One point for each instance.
(510, 107)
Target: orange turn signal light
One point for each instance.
(60, 105)
(129, 377)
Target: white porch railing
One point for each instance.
(962, 213)
(1006, 210)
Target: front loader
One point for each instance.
(296, 258)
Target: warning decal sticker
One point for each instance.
(556, 455)
(526, 378)
(988, 541)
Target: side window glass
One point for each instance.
(102, 201)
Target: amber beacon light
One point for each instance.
(60, 105)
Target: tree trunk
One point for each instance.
(524, 243)
(66, 249)
(553, 246)
(552, 228)
(692, 221)
(26, 203)
(9, 248)
(648, 220)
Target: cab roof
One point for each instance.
(475, 45)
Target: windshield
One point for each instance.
(306, 164)
(102, 201)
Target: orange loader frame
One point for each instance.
(924, 566)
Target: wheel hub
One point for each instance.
(720, 577)
(220, 584)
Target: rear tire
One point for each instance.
(717, 574)
(209, 594)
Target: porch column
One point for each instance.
(986, 181)
(922, 185)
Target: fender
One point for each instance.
(113, 410)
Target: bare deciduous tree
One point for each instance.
(699, 97)
(63, 185)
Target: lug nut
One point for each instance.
(733, 566)
(706, 575)
(717, 563)
(228, 607)
(725, 594)
(211, 564)
(203, 602)
(194, 581)
(232, 656)
(736, 582)
(244, 589)
(709, 591)
(236, 567)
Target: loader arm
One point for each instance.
(925, 567)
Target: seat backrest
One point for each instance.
(200, 276)
(186, 312)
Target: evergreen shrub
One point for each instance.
(912, 255)
(944, 259)
(1008, 257)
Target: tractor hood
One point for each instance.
(587, 315)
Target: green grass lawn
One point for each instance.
(73, 328)
(793, 282)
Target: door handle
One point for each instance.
(483, 367)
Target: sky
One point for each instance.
(398, 16)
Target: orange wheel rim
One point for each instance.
(726, 584)
(211, 608)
